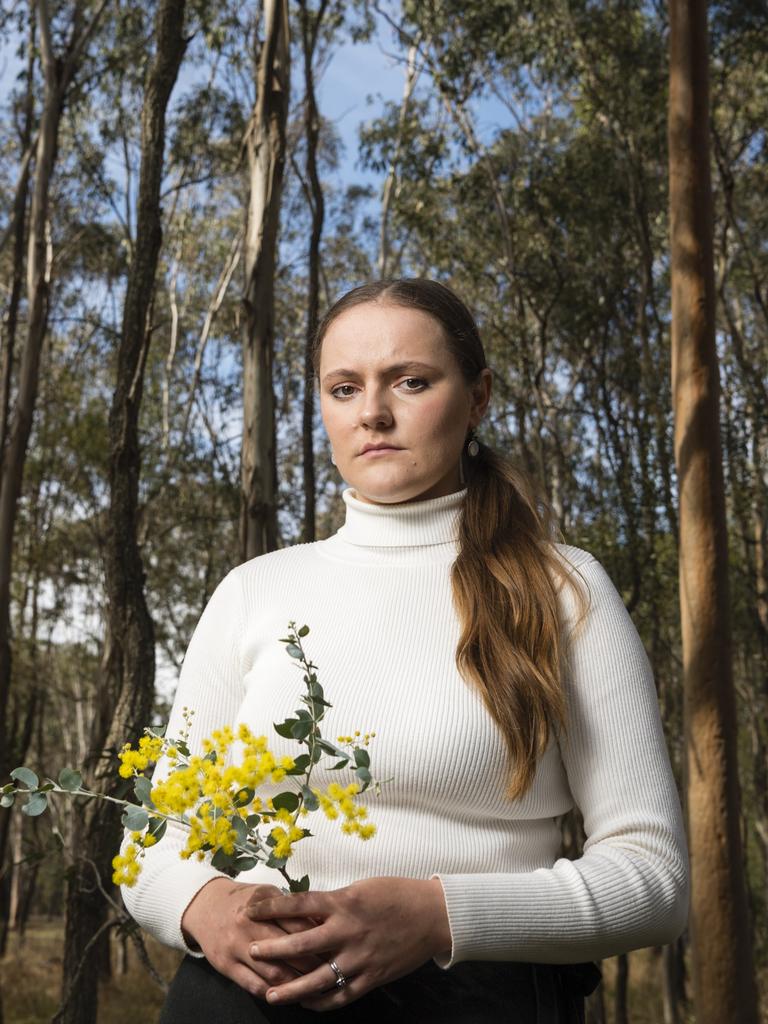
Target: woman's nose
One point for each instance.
(375, 411)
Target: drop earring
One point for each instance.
(333, 460)
(472, 447)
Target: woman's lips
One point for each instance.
(380, 451)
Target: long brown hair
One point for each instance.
(511, 646)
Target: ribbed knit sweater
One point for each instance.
(383, 633)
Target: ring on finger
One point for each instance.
(341, 980)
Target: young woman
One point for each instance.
(505, 682)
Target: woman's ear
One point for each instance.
(481, 396)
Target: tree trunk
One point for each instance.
(620, 1015)
(129, 660)
(310, 28)
(723, 975)
(265, 141)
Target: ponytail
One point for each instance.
(511, 645)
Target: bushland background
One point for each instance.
(181, 193)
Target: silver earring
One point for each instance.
(473, 447)
(333, 461)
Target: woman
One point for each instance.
(505, 682)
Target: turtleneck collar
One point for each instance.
(405, 524)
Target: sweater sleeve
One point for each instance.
(210, 684)
(629, 889)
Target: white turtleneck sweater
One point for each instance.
(383, 633)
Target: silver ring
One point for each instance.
(341, 980)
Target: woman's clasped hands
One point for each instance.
(364, 935)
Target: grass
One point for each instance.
(30, 975)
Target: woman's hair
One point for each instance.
(511, 645)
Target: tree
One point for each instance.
(265, 145)
(129, 659)
(723, 973)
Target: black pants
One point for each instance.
(473, 992)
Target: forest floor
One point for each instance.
(30, 978)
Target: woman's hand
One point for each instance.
(218, 921)
(375, 930)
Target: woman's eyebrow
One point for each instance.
(390, 370)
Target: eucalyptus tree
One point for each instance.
(723, 972)
(265, 146)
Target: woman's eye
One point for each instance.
(420, 384)
(340, 387)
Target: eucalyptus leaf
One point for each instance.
(339, 764)
(223, 861)
(36, 804)
(364, 775)
(275, 862)
(246, 863)
(285, 728)
(253, 821)
(362, 759)
(243, 797)
(6, 800)
(135, 819)
(142, 787)
(288, 801)
(294, 651)
(310, 800)
(157, 827)
(302, 885)
(239, 827)
(300, 730)
(304, 631)
(26, 777)
(70, 780)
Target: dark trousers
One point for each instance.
(473, 992)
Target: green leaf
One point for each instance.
(246, 863)
(294, 651)
(243, 797)
(300, 730)
(6, 800)
(275, 862)
(135, 819)
(211, 756)
(142, 787)
(362, 760)
(285, 728)
(239, 827)
(304, 631)
(157, 827)
(26, 777)
(364, 775)
(302, 885)
(182, 747)
(46, 787)
(310, 800)
(223, 861)
(287, 800)
(339, 764)
(70, 780)
(253, 821)
(331, 748)
(300, 765)
(36, 804)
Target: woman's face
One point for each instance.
(388, 378)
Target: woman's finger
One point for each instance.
(299, 904)
(291, 947)
(322, 982)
